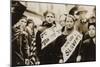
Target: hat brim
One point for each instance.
(78, 12)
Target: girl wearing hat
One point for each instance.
(63, 42)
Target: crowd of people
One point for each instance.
(73, 39)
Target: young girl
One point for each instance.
(68, 44)
(88, 48)
(46, 55)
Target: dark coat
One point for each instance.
(60, 42)
(88, 50)
(46, 55)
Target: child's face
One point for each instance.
(91, 31)
(23, 22)
(69, 23)
(62, 20)
(50, 18)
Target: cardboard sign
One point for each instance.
(49, 35)
(70, 45)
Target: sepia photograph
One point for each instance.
(52, 33)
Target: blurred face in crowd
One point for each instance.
(69, 23)
(50, 18)
(23, 22)
(92, 20)
(62, 20)
(82, 17)
(31, 23)
(92, 31)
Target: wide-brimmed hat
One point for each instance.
(81, 9)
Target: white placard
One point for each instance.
(49, 35)
(70, 45)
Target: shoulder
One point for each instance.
(60, 38)
(41, 28)
(86, 41)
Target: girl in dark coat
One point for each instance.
(88, 48)
(46, 55)
(68, 30)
